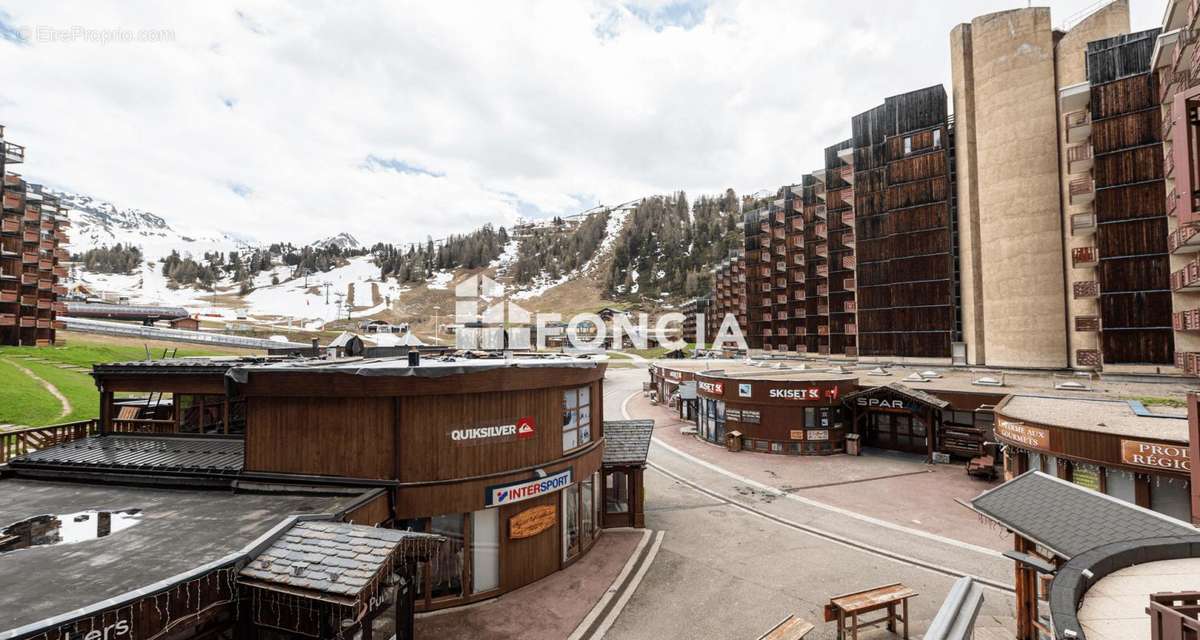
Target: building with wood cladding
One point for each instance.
(1176, 63)
(504, 464)
(32, 258)
(729, 287)
(904, 221)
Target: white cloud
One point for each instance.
(394, 121)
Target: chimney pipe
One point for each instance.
(414, 358)
(316, 347)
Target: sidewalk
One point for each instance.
(548, 609)
(899, 488)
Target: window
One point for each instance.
(1169, 495)
(587, 514)
(1120, 484)
(447, 567)
(485, 550)
(761, 445)
(810, 417)
(570, 521)
(937, 138)
(776, 447)
(907, 145)
(577, 417)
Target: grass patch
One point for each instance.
(1160, 401)
(23, 400)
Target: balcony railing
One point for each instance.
(1083, 224)
(846, 173)
(1188, 320)
(1172, 202)
(1079, 125)
(848, 237)
(1173, 615)
(797, 224)
(1079, 158)
(1085, 289)
(1184, 239)
(781, 266)
(849, 284)
(1082, 257)
(849, 306)
(819, 211)
(765, 227)
(13, 153)
(7, 320)
(822, 289)
(1188, 277)
(781, 298)
(848, 261)
(1083, 190)
(13, 201)
(822, 271)
(765, 272)
(848, 218)
(821, 230)
(1087, 324)
(851, 329)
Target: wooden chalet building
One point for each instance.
(475, 477)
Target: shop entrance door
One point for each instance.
(896, 431)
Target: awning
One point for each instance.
(893, 391)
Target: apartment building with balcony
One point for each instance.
(835, 245)
(768, 283)
(1176, 63)
(32, 257)
(729, 289)
(904, 221)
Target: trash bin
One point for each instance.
(733, 441)
(853, 444)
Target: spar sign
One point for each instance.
(501, 494)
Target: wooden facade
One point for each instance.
(837, 298)
(1133, 266)
(33, 232)
(440, 444)
(903, 220)
(728, 294)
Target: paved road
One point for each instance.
(737, 558)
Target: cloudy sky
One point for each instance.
(398, 120)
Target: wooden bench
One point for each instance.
(790, 628)
(852, 605)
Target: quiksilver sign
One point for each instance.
(485, 434)
(501, 494)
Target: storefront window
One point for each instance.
(1034, 460)
(587, 514)
(1050, 465)
(616, 492)
(485, 550)
(1120, 484)
(570, 520)
(1169, 496)
(577, 417)
(1086, 475)
(446, 569)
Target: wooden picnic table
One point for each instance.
(852, 605)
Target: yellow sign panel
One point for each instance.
(531, 522)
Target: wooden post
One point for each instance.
(106, 411)
(1026, 592)
(905, 607)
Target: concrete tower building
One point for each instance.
(1008, 158)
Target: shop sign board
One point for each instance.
(521, 429)
(502, 494)
(818, 434)
(533, 521)
(1155, 455)
(745, 389)
(1023, 434)
(715, 388)
(796, 434)
(810, 393)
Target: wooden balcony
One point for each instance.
(823, 330)
(29, 279)
(798, 259)
(44, 304)
(27, 322)
(766, 287)
(1079, 125)
(13, 153)
(45, 264)
(1083, 224)
(10, 225)
(765, 272)
(29, 300)
(765, 227)
(849, 306)
(1087, 324)
(13, 201)
(849, 262)
(778, 217)
(767, 333)
(1084, 257)
(60, 325)
(59, 307)
(43, 323)
(47, 224)
(1079, 158)
(31, 237)
(822, 289)
(1085, 289)
(31, 214)
(781, 266)
(766, 317)
(845, 172)
(796, 224)
(781, 298)
(782, 331)
(822, 271)
(8, 320)
(848, 218)
(1172, 202)
(849, 284)
(1185, 239)
(8, 297)
(820, 212)
(45, 285)
(1188, 320)
(781, 283)
(821, 230)
(779, 234)
(29, 257)
(59, 290)
(851, 329)
(821, 250)
(1187, 278)
(59, 271)
(848, 237)
(1082, 190)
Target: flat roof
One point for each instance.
(1115, 607)
(962, 379)
(147, 454)
(178, 531)
(431, 367)
(1116, 417)
(741, 370)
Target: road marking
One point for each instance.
(612, 589)
(815, 503)
(837, 538)
(628, 593)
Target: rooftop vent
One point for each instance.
(878, 371)
(915, 377)
(929, 373)
(988, 381)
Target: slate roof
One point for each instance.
(180, 365)
(1069, 519)
(330, 557)
(626, 442)
(191, 456)
(904, 390)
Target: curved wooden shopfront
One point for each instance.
(505, 462)
(794, 413)
(1149, 467)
